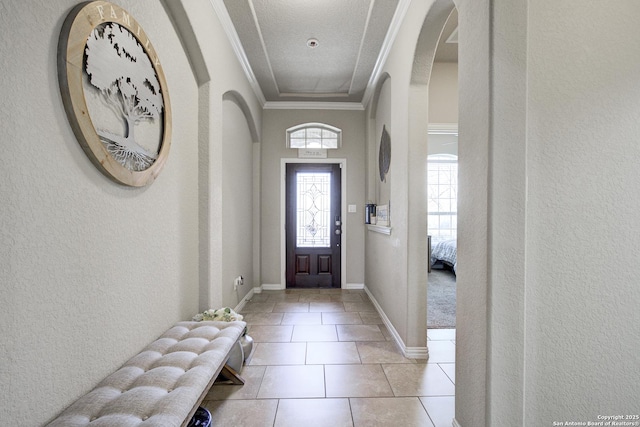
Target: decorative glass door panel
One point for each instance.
(313, 225)
(313, 209)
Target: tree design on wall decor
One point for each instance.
(114, 92)
(119, 68)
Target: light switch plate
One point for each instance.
(352, 208)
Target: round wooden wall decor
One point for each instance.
(114, 92)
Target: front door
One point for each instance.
(313, 225)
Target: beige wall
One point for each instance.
(237, 205)
(443, 144)
(273, 149)
(548, 324)
(386, 284)
(562, 326)
(443, 108)
(581, 301)
(92, 271)
(382, 121)
(472, 329)
(395, 272)
(224, 135)
(443, 93)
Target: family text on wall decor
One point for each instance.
(114, 92)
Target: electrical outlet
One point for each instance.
(238, 281)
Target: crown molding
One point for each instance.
(232, 35)
(394, 29)
(443, 128)
(234, 40)
(312, 105)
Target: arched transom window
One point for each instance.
(314, 135)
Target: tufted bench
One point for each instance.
(163, 385)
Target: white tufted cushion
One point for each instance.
(161, 385)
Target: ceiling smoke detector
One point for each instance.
(313, 43)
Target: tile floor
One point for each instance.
(323, 357)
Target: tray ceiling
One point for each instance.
(314, 51)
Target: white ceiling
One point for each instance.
(353, 38)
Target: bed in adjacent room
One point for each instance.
(444, 253)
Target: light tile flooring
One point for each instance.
(323, 357)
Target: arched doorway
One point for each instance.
(442, 184)
(426, 72)
(424, 64)
(472, 355)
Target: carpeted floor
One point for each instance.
(441, 299)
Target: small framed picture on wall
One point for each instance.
(382, 214)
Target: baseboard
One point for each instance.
(409, 352)
(455, 423)
(244, 300)
(416, 352)
(279, 287)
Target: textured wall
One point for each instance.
(91, 270)
(508, 188)
(383, 121)
(386, 284)
(582, 293)
(562, 327)
(403, 296)
(473, 243)
(220, 77)
(237, 204)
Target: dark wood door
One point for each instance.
(313, 225)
